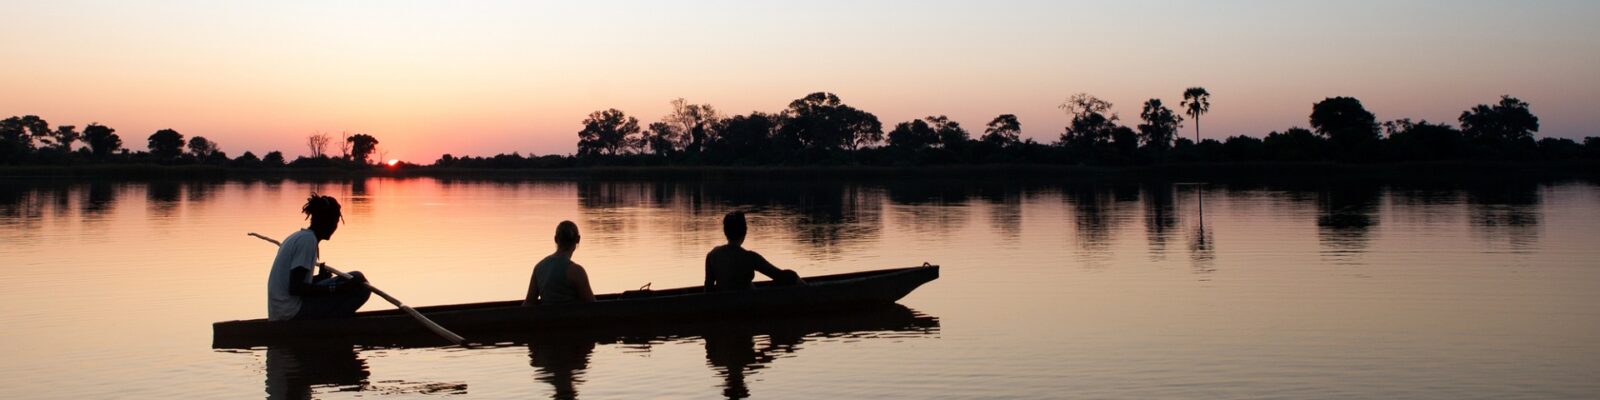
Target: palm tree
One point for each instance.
(1196, 101)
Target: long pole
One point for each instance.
(440, 330)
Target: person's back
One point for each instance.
(551, 276)
(556, 278)
(732, 267)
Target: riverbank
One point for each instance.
(1255, 171)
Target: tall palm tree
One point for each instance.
(1196, 101)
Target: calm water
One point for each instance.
(1169, 290)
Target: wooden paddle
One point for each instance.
(445, 333)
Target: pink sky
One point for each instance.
(431, 78)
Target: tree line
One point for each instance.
(30, 140)
(820, 129)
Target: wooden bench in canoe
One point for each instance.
(821, 294)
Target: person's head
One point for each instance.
(323, 211)
(567, 236)
(733, 225)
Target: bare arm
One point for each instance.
(772, 271)
(580, 281)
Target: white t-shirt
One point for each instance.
(299, 250)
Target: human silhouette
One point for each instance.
(731, 267)
(557, 279)
(292, 291)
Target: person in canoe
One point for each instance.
(293, 291)
(556, 279)
(732, 267)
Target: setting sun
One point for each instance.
(392, 162)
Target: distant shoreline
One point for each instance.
(1247, 171)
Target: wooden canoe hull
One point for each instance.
(478, 321)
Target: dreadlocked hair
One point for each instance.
(320, 208)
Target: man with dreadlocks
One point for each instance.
(293, 292)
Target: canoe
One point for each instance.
(479, 321)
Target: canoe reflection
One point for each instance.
(297, 372)
(734, 348)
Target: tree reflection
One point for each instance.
(1346, 214)
(1094, 216)
(1160, 217)
(827, 217)
(99, 199)
(1202, 246)
(932, 209)
(1506, 212)
(162, 198)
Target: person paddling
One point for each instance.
(731, 267)
(293, 292)
(557, 279)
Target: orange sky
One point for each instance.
(428, 78)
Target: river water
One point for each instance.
(1335, 289)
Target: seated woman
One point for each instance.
(732, 267)
(556, 279)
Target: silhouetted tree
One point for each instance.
(344, 146)
(1349, 127)
(1243, 148)
(692, 125)
(102, 140)
(1423, 140)
(64, 136)
(17, 135)
(201, 148)
(1507, 122)
(820, 121)
(273, 159)
(166, 144)
(659, 139)
(609, 131)
(1003, 130)
(950, 133)
(747, 135)
(1090, 125)
(1160, 125)
(914, 134)
(361, 147)
(1196, 102)
(14, 140)
(317, 143)
(1295, 144)
(1559, 149)
(246, 160)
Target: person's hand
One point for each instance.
(357, 279)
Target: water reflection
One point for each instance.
(292, 372)
(826, 217)
(1160, 218)
(1505, 212)
(735, 349)
(561, 364)
(1346, 214)
(298, 372)
(1202, 246)
(161, 197)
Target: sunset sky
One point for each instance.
(480, 78)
